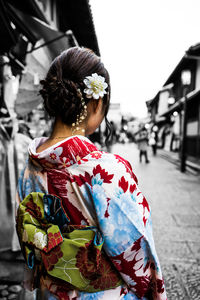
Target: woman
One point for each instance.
(83, 225)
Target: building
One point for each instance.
(32, 33)
(166, 109)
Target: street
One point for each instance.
(175, 203)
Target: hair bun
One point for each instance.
(61, 98)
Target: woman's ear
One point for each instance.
(96, 105)
(99, 105)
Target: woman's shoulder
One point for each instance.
(111, 161)
(113, 157)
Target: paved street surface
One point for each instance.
(175, 201)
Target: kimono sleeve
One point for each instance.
(124, 218)
(31, 179)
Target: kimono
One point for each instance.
(99, 192)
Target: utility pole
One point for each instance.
(183, 140)
(186, 81)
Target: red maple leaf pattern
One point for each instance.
(132, 188)
(123, 184)
(145, 204)
(80, 180)
(127, 166)
(142, 283)
(104, 175)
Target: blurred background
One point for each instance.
(151, 49)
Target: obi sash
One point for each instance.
(72, 253)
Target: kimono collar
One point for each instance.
(62, 154)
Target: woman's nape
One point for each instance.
(62, 131)
(95, 115)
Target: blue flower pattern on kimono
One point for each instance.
(123, 218)
(100, 199)
(131, 296)
(124, 233)
(89, 296)
(27, 185)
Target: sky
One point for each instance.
(141, 42)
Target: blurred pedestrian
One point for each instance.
(110, 132)
(143, 145)
(84, 226)
(153, 143)
(114, 129)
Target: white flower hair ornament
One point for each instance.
(95, 86)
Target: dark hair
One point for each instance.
(64, 81)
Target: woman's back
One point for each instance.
(100, 189)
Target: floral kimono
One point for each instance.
(83, 220)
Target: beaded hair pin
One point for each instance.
(95, 88)
(81, 117)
